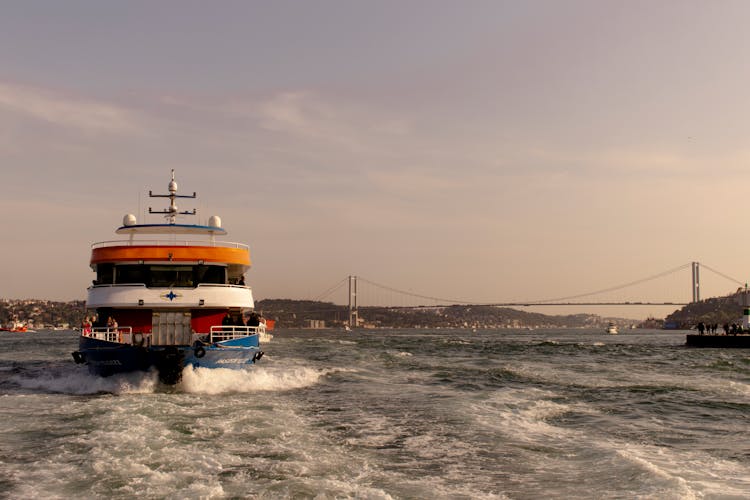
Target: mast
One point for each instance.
(171, 212)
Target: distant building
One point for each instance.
(316, 324)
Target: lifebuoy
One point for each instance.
(200, 352)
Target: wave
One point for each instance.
(77, 381)
(256, 379)
(80, 382)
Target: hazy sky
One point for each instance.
(479, 150)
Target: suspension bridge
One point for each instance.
(353, 289)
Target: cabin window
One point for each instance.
(131, 274)
(105, 274)
(169, 276)
(160, 276)
(210, 274)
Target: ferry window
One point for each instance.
(168, 276)
(105, 274)
(131, 274)
(210, 274)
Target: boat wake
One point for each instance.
(78, 381)
(257, 379)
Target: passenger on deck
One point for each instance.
(726, 328)
(98, 321)
(227, 321)
(241, 282)
(111, 324)
(253, 319)
(701, 328)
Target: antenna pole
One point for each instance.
(171, 212)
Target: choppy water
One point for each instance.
(394, 414)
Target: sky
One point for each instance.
(484, 151)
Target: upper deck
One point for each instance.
(170, 250)
(168, 243)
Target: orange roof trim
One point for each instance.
(239, 256)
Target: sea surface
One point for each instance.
(386, 414)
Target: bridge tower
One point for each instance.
(353, 314)
(696, 282)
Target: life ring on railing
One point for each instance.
(199, 351)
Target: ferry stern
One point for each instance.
(167, 297)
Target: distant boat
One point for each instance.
(14, 326)
(612, 329)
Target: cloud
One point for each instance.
(307, 116)
(51, 107)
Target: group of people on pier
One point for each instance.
(711, 329)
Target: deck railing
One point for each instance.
(228, 332)
(168, 243)
(143, 285)
(125, 335)
(109, 334)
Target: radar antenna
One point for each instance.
(171, 212)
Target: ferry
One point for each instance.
(612, 329)
(169, 296)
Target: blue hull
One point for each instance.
(109, 358)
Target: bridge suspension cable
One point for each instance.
(331, 290)
(613, 288)
(741, 283)
(557, 301)
(416, 295)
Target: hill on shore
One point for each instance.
(300, 314)
(304, 313)
(715, 310)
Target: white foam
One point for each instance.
(688, 473)
(255, 379)
(79, 381)
(399, 354)
(523, 414)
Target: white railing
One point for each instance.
(125, 335)
(143, 285)
(139, 285)
(109, 334)
(168, 243)
(228, 332)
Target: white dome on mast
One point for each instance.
(172, 185)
